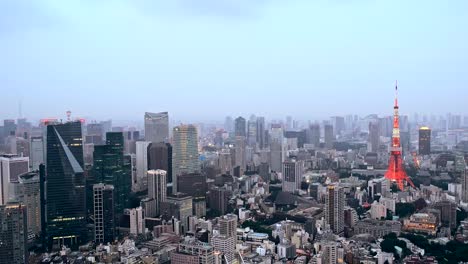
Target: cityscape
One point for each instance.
(233, 132)
(348, 189)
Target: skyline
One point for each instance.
(116, 60)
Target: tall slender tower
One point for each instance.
(396, 171)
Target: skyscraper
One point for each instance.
(465, 185)
(334, 208)
(228, 125)
(142, 164)
(424, 141)
(65, 195)
(252, 133)
(228, 225)
(184, 205)
(104, 219)
(160, 158)
(225, 242)
(36, 152)
(329, 136)
(27, 192)
(157, 127)
(338, 122)
(157, 190)
(110, 169)
(240, 127)
(374, 136)
(313, 135)
(11, 167)
(13, 234)
(276, 148)
(261, 141)
(184, 153)
(240, 153)
(292, 175)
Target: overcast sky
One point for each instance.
(205, 59)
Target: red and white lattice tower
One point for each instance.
(396, 171)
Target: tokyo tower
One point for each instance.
(396, 171)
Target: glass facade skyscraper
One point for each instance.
(184, 153)
(110, 168)
(157, 127)
(65, 185)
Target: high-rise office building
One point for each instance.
(338, 122)
(465, 185)
(157, 188)
(142, 165)
(277, 152)
(184, 152)
(193, 184)
(65, 194)
(292, 175)
(424, 141)
(313, 135)
(219, 199)
(94, 134)
(11, 167)
(110, 168)
(13, 234)
(157, 127)
(240, 153)
(229, 125)
(261, 141)
(374, 137)
(37, 152)
(252, 132)
(104, 218)
(240, 127)
(28, 192)
(226, 245)
(228, 225)
(160, 158)
(334, 208)
(184, 204)
(329, 136)
(9, 127)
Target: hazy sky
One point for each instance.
(205, 59)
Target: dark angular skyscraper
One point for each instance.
(65, 195)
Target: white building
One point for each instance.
(141, 165)
(157, 188)
(378, 211)
(137, 221)
(37, 152)
(11, 167)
